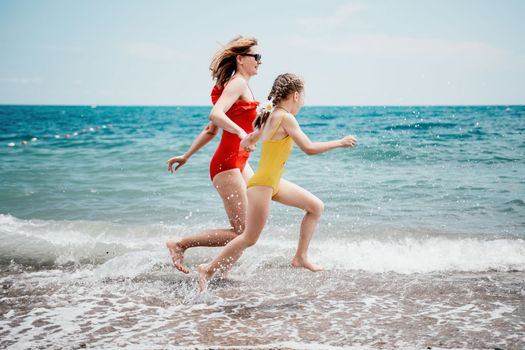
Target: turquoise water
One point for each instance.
(422, 239)
(451, 169)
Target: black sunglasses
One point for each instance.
(257, 56)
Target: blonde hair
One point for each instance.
(224, 62)
(283, 86)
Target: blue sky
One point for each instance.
(349, 52)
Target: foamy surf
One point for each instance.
(115, 247)
(159, 308)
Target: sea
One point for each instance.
(422, 240)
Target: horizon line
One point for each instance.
(209, 105)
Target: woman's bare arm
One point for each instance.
(206, 135)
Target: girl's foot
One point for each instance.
(298, 262)
(204, 277)
(177, 255)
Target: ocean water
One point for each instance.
(422, 239)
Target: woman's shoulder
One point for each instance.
(234, 87)
(236, 82)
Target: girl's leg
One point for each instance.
(259, 199)
(247, 172)
(296, 196)
(231, 186)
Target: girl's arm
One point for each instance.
(292, 128)
(218, 116)
(206, 135)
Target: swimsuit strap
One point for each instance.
(277, 127)
(251, 92)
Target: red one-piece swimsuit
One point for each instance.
(229, 154)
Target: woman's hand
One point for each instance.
(242, 135)
(180, 160)
(348, 141)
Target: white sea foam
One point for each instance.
(128, 249)
(412, 255)
(128, 265)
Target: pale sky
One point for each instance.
(139, 52)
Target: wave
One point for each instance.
(314, 125)
(114, 248)
(516, 202)
(411, 255)
(44, 243)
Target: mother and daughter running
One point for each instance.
(247, 196)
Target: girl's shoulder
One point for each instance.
(279, 115)
(279, 119)
(288, 118)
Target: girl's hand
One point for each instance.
(348, 141)
(249, 141)
(181, 160)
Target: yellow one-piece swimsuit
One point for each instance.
(274, 154)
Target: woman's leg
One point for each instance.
(231, 186)
(296, 196)
(259, 199)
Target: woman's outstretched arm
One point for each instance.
(292, 128)
(206, 135)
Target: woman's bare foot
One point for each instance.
(177, 255)
(298, 262)
(204, 276)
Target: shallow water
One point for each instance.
(272, 305)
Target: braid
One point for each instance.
(283, 86)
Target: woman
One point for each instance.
(234, 111)
(279, 131)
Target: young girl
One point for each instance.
(279, 130)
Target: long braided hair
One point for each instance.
(224, 63)
(283, 86)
